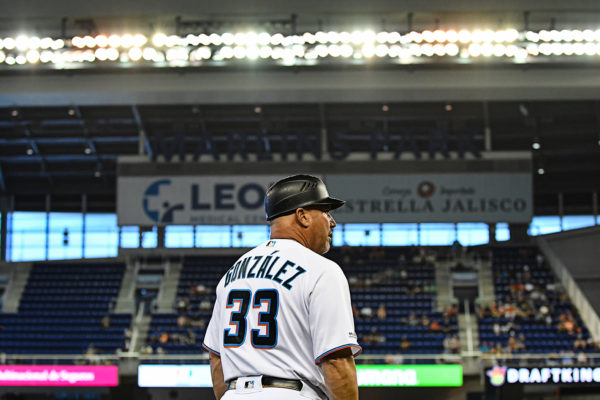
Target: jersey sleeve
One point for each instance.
(212, 339)
(330, 315)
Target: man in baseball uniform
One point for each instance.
(282, 325)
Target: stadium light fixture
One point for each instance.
(309, 48)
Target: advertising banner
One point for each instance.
(409, 375)
(500, 376)
(451, 197)
(192, 200)
(373, 198)
(58, 375)
(368, 375)
(174, 376)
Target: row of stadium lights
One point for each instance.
(309, 46)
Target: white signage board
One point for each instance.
(451, 197)
(174, 376)
(192, 200)
(370, 198)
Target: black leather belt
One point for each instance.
(270, 381)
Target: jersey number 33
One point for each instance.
(239, 318)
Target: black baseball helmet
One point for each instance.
(295, 192)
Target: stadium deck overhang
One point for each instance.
(61, 132)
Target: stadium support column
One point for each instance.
(84, 207)
(3, 226)
(492, 232)
(487, 130)
(518, 233)
(161, 237)
(595, 207)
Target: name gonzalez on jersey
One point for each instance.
(248, 268)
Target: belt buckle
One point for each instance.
(249, 384)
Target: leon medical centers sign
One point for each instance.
(377, 198)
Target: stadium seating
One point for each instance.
(186, 336)
(375, 276)
(530, 307)
(63, 309)
(390, 277)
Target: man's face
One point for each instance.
(320, 229)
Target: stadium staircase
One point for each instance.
(16, 287)
(443, 287)
(168, 289)
(126, 300)
(467, 333)
(140, 332)
(486, 283)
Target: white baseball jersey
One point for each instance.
(280, 309)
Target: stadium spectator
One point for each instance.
(494, 312)
(394, 359)
(112, 303)
(566, 323)
(373, 338)
(201, 290)
(413, 320)
(497, 349)
(446, 326)
(567, 357)
(91, 350)
(164, 337)
(105, 322)
(191, 337)
(580, 342)
(197, 322)
(205, 305)
(484, 312)
(366, 312)
(484, 347)
(91, 354)
(381, 312)
(496, 328)
(183, 304)
(514, 345)
(434, 326)
(451, 344)
(403, 274)
(404, 344)
(539, 258)
(182, 321)
(451, 311)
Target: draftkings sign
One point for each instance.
(500, 376)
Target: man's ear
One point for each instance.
(303, 217)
